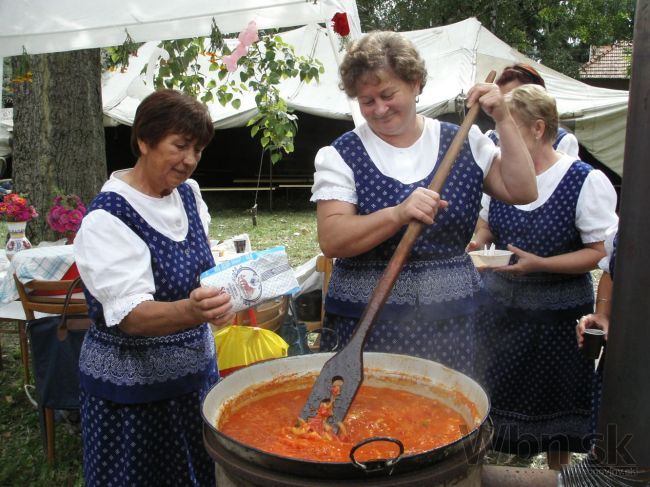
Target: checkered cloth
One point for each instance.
(43, 263)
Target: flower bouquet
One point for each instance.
(15, 208)
(16, 211)
(66, 215)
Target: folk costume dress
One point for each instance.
(434, 308)
(538, 381)
(141, 396)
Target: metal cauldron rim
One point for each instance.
(311, 468)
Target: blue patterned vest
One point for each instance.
(545, 231)
(439, 276)
(132, 369)
(494, 136)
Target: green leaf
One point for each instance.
(275, 157)
(236, 103)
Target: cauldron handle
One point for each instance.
(377, 465)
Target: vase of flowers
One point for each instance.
(65, 215)
(16, 211)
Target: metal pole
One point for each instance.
(623, 427)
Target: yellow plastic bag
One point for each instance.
(239, 346)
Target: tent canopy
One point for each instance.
(42, 26)
(456, 56)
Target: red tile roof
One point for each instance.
(611, 62)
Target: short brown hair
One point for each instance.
(380, 50)
(167, 112)
(532, 102)
(523, 73)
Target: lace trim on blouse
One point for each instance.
(117, 309)
(334, 193)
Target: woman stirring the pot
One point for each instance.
(371, 182)
(148, 358)
(538, 381)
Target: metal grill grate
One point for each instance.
(592, 474)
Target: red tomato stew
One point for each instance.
(266, 418)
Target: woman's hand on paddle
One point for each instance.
(490, 98)
(422, 205)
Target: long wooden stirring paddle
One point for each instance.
(347, 364)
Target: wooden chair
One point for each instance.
(48, 297)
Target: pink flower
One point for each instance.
(66, 214)
(15, 208)
(230, 62)
(240, 51)
(249, 34)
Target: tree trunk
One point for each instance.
(58, 132)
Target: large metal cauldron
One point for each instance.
(417, 375)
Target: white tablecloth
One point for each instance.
(46, 263)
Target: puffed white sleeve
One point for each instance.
(569, 145)
(204, 213)
(114, 264)
(333, 179)
(610, 234)
(596, 208)
(485, 207)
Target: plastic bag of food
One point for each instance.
(253, 278)
(239, 346)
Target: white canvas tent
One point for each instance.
(456, 55)
(42, 26)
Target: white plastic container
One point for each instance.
(490, 258)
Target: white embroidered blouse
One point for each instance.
(334, 179)
(596, 206)
(114, 263)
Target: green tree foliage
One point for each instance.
(557, 33)
(267, 61)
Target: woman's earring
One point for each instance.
(417, 99)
